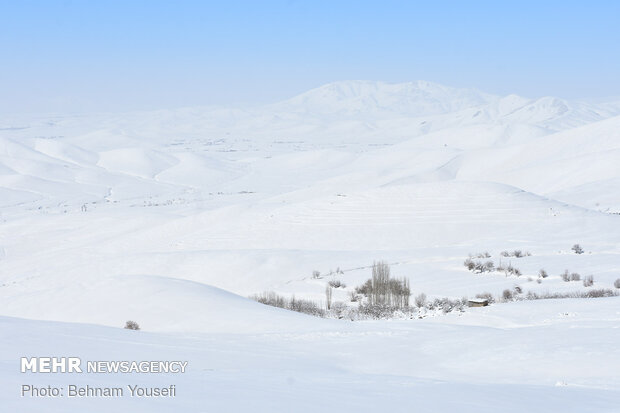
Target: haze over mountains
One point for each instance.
(65, 159)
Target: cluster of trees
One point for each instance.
(382, 289)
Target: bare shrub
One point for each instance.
(480, 267)
(336, 284)
(509, 270)
(364, 289)
(420, 300)
(353, 296)
(577, 249)
(447, 305)
(484, 254)
(302, 306)
(565, 276)
(305, 306)
(270, 298)
(382, 311)
(486, 296)
(588, 281)
(617, 283)
(542, 273)
(601, 292)
(489, 266)
(516, 253)
(132, 325)
(514, 271)
(578, 294)
(339, 310)
(575, 277)
(517, 289)
(316, 274)
(507, 295)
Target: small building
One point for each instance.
(478, 302)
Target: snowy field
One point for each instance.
(173, 218)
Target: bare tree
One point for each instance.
(328, 296)
(420, 300)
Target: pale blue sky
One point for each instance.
(124, 55)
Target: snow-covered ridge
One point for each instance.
(419, 98)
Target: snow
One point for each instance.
(172, 218)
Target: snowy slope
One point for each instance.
(541, 357)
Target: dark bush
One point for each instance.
(132, 325)
(486, 267)
(588, 281)
(364, 289)
(577, 249)
(336, 284)
(601, 292)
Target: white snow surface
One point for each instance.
(172, 218)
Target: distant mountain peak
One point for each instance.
(365, 97)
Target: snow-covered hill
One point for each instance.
(172, 217)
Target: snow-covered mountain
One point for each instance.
(367, 98)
